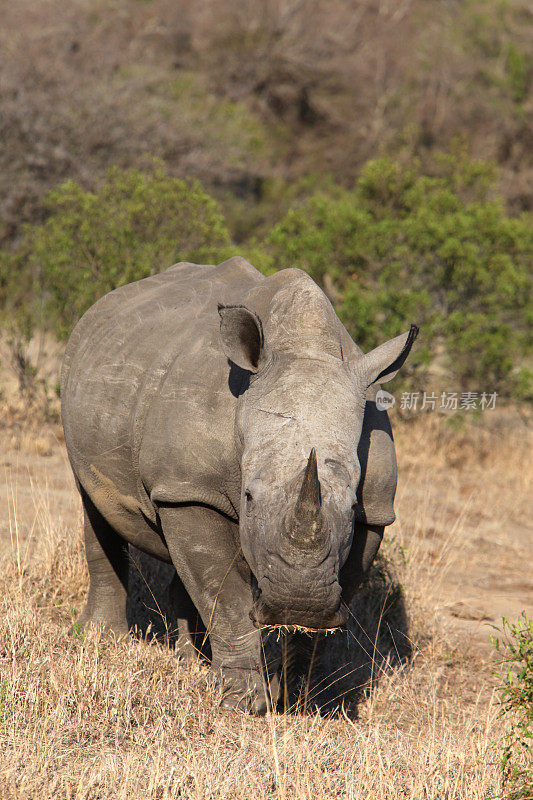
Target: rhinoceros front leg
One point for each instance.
(107, 560)
(205, 549)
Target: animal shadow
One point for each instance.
(333, 673)
(153, 609)
(329, 673)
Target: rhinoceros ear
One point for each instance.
(241, 333)
(382, 363)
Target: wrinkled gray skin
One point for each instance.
(224, 422)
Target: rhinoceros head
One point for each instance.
(298, 425)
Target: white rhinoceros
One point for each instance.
(225, 422)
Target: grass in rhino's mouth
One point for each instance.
(264, 619)
(281, 628)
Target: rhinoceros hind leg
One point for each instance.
(107, 560)
(192, 636)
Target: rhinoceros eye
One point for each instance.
(248, 499)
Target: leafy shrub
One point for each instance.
(518, 67)
(404, 246)
(136, 224)
(400, 246)
(516, 700)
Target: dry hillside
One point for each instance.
(243, 94)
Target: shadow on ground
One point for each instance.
(330, 672)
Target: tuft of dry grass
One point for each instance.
(92, 716)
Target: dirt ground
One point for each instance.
(471, 493)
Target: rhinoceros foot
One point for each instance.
(110, 622)
(245, 690)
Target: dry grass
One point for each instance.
(94, 717)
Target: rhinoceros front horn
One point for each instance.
(305, 526)
(308, 503)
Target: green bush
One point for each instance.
(400, 247)
(518, 69)
(516, 701)
(403, 246)
(136, 224)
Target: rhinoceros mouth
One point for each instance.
(293, 620)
